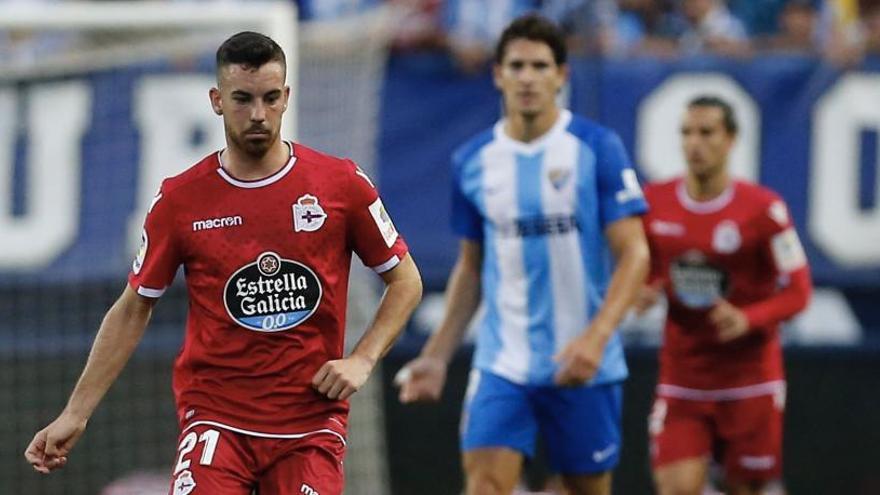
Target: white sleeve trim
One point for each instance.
(384, 267)
(148, 292)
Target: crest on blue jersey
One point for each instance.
(559, 177)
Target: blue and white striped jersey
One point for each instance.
(540, 210)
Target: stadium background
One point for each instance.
(82, 149)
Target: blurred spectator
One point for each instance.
(474, 25)
(760, 17)
(797, 32)
(712, 29)
(648, 27)
(840, 32)
(420, 25)
(23, 47)
(870, 24)
(317, 10)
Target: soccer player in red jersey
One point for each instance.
(728, 258)
(265, 230)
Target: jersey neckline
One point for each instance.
(535, 145)
(253, 184)
(704, 207)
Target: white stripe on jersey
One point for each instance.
(567, 270)
(499, 196)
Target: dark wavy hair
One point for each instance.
(728, 115)
(253, 50)
(533, 27)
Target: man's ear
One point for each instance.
(216, 101)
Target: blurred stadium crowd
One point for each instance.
(843, 32)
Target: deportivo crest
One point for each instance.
(308, 215)
(726, 237)
(184, 483)
(272, 294)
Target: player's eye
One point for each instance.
(516, 65)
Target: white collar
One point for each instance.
(253, 184)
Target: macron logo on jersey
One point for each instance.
(217, 223)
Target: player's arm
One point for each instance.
(580, 359)
(340, 378)
(120, 331)
(649, 293)
(784, 249)
(423, 378)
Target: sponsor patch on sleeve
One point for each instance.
(631, 189)
(383, 222)
(141, 254)
(779, 213)
(787, 251)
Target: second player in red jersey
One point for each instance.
(727, 257)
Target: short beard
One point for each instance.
(253, 149)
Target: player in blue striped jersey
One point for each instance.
(547, 207)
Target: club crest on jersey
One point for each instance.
(558, 177)
(726, 237)
(308, 215)
(272, 294)
(184, 483)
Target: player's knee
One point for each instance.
(486, 483)
(678, 486)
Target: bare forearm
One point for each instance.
(401, 297)
(119, 334)
(633, 264)
(462, 300)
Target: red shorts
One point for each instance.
(213, 461)
(745, 435)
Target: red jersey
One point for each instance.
(266, 265)
(742, 247)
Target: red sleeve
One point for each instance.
(371, 233)
(655, 275)
(158, 257)
(786, 255)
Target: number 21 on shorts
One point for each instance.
(209, 438)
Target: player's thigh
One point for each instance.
(309, 466)
(682, 477)
(588, 484)
(752, 431)
(497, 414)
(680, 430)
(681, 438)
(212, 460)
(491, 470)
(581, 427)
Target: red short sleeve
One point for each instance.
(158, 257)
(371, 232)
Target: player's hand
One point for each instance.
(580, 359)
(50, 446)
(421, 379)
(730, 321)
(340, 378)
(646, 297)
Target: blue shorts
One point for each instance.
(580, 425)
